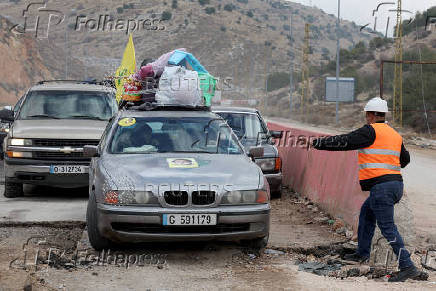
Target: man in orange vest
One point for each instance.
(381, 155)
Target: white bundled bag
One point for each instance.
(179, 86)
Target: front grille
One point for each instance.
(59, 156)
(59, 143)
(176, 197)
(203, 197)
(153, 228)
(64, 142)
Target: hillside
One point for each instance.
(362, 62)
(241, 39)
(21, 64)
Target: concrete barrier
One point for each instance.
(329, 179)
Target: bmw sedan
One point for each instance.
(174, 174)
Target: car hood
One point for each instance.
(139, 170)
(269, 150)
(58, 128)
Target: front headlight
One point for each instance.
(130, 197)
(245, 197)
(19, 142)
(270, 164)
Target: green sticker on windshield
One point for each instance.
(128, 121)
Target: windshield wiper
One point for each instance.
(44, 115)
(86, 117)
(187, 152)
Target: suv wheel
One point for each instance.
(97, 241)
(276, 194)
(257, 243)
(13, 190)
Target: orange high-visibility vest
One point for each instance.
(383, 156)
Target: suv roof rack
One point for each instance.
(147, 106)
(92, 82)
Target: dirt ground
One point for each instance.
(300, 233)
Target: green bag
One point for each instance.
(207, 86)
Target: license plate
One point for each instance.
(189, 219)
(67, 169)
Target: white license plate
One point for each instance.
(67, 169)
(189, 219)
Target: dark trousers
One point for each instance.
(379, 207)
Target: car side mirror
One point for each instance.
(276, 133)
(7, 115)
(90, 151)
(256, 152)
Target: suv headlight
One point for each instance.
(19, 142)
(269, 164)
(130, 197)
(245, 197)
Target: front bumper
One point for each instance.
(36, 172)
(144, 224)
(274, 181)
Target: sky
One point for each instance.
(360, 11)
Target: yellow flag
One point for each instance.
(127, 67)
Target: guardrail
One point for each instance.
(329, 179)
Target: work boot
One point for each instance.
(409, 273)
(355, 257)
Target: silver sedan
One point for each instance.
(175, 175)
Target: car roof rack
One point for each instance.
(91, 82)
(153, 106)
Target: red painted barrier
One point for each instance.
(329, 179)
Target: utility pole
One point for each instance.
(338, 48)
(305, 89)
(66, 52)
(397, 112)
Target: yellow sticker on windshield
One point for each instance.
(182, 163)
(128, 121)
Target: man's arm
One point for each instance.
(360, 138)
(404, 157)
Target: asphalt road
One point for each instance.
(43, 204)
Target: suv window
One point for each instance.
(166, 134)
(68, 105)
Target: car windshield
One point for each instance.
(245, 125)
(171, 134)
(68, 105)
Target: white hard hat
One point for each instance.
(376, 104)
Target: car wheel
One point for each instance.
(13, 190)
(257, 243)
(97, 241)
(276, 194)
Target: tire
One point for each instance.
(276, 194)
(13, 190)
(97, 241)
(257, 243)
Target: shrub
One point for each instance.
(229, 7)
(204, 2)
(210, 10)
(166, 15)
(277, 80)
